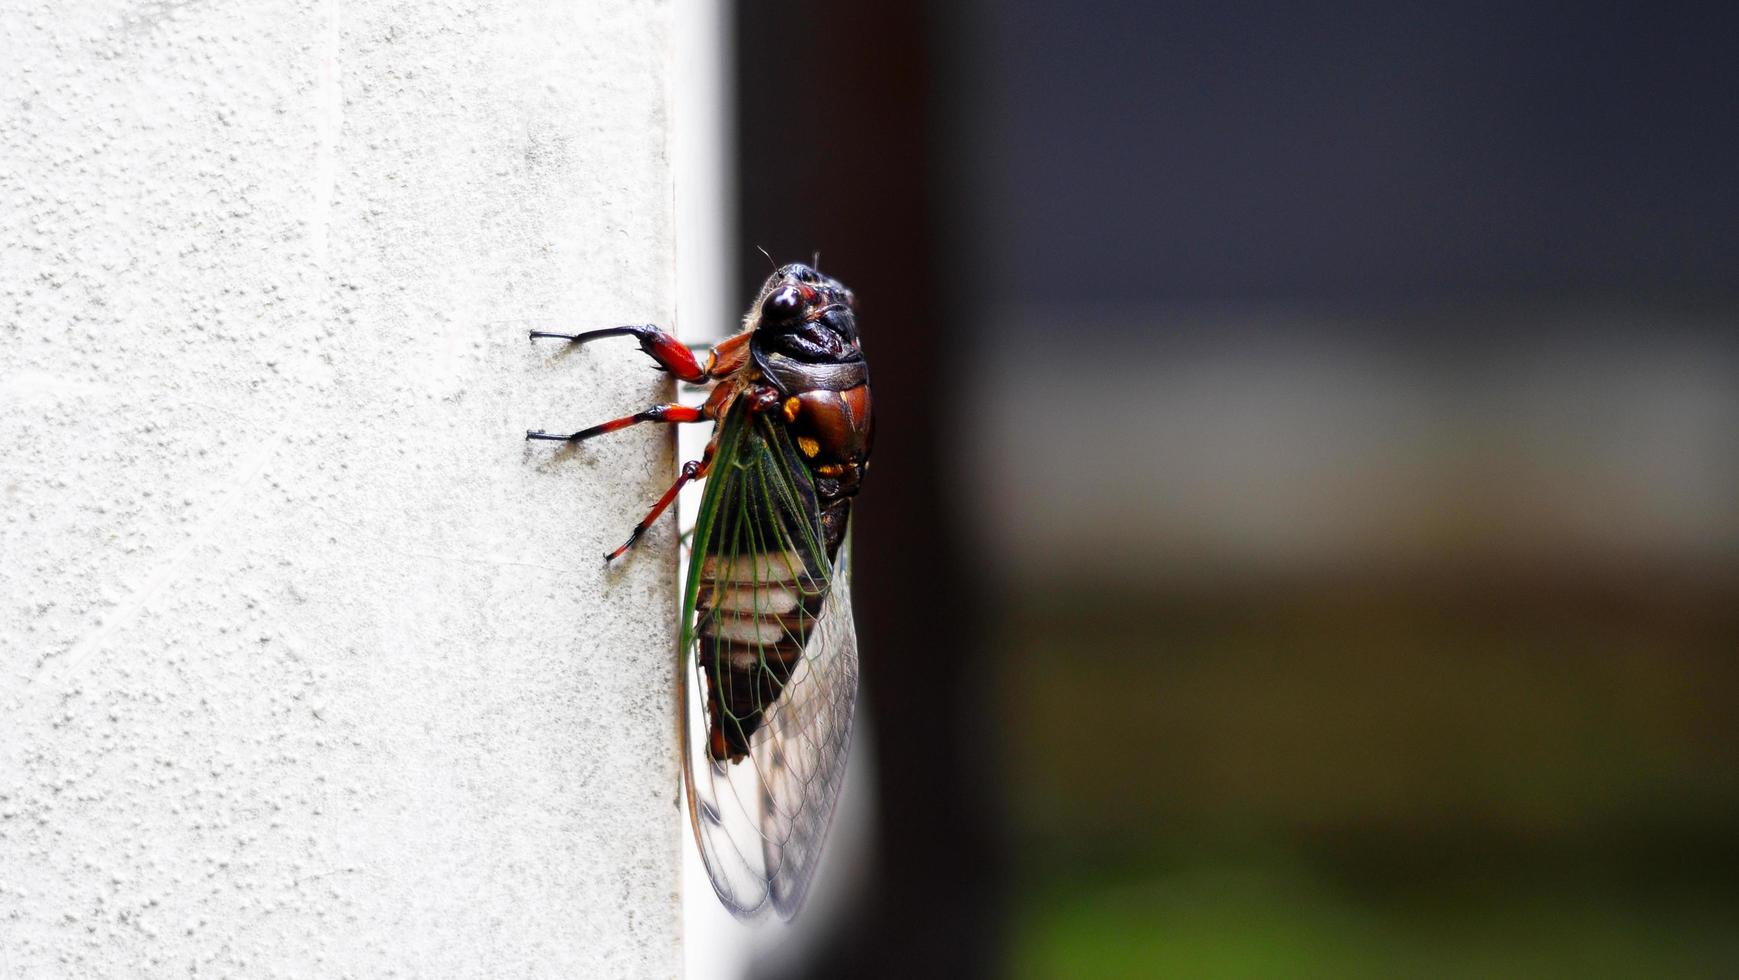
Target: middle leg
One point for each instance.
(669, 414)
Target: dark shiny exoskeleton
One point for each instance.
(805, 345)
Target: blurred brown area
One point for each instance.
(1304, 534)
(1581, 715)
(1473, 773)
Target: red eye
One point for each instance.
(782, 304)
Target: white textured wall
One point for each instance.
(309, 666)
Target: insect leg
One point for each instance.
(669, 352)
(690, 471)
(671, 414)
(729, 355)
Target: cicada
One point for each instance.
(767, 659)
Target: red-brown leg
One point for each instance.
(762, 398)
(669, 352)
(690, 471)
(729, 355)
(671, 414)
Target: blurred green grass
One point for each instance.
(1458, 776)
(1269, 919)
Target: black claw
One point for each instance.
(590, 335)
(639, 529)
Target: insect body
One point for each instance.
(768, 659)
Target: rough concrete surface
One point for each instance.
(309, 665)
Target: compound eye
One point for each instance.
(782, 304)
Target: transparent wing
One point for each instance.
(768, 672)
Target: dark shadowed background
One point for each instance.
(1304, 532)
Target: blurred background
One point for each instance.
(1304, 536)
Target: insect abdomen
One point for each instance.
(755, 615)
(755, 611)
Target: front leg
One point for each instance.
(669, 352)
(726, 357)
